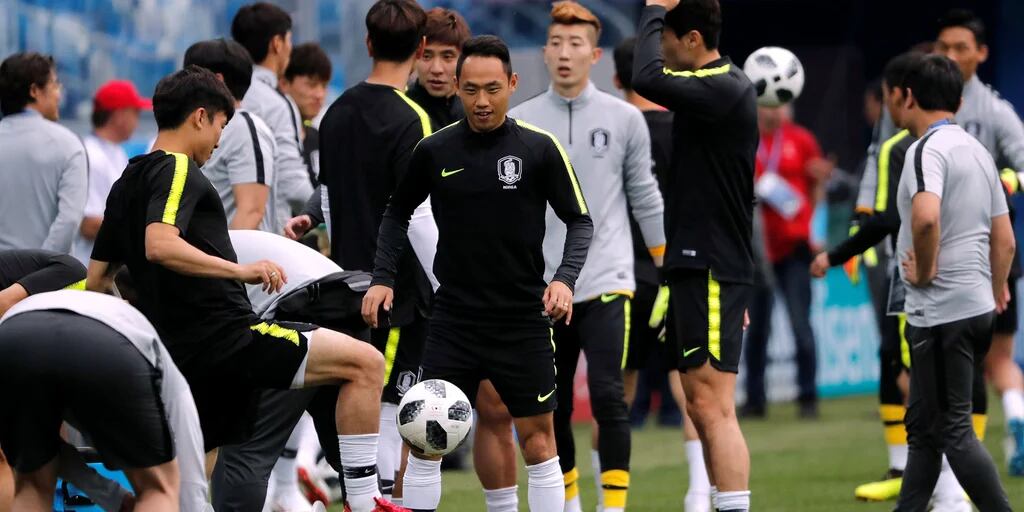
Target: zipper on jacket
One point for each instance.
(570, 123)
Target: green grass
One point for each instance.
(796, 465)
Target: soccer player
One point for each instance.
(994, 122)
(242, 166)
(115, 115)
(708, 216)
(369, 134)
(434, 88)
(491, 178)
(265, 30)
(955, 245)
(43, 178)
(608, 142)
(647, 317)
(165, 221)
(305, 81)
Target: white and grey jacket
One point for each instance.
(609, 146)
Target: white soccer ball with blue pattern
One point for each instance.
(777, 75)
(434, 417)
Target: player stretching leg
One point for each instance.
(709, 197)
(165, 221)
(490, 179)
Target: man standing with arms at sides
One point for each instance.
(648, 318)
(993, 121)
(434, 88)
(115, 115)
(708, 218)
(369, 134)
(305, 81)
(242, 166)
(608, 141)
(955, 245)
(492, 315)
(165, 221)
(265, 30)
(42, 193)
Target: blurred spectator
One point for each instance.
(873, 102)
(305, 80)
(789, 176)
(43, 177)
(115, 115)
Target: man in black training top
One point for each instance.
(709, 196)
(165, 221)
(490, 178)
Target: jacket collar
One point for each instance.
(264, 75)
(580, 101)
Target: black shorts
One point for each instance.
(403, 352)
(56, 365)
(1006, 322)
(705, 318)
(227, 394)
(644, 344)
(517, 358)
(600, 327)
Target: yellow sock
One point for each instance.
(572, 488)
(892, 418)
(615, 484)
(980, 422)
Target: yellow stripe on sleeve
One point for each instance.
(424, 118)
(700, 73)
(565, 159)
(882, 188)
(177, 187)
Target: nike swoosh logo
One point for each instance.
(686, 353)
(544, 398)
(445, 172)
(609, 297)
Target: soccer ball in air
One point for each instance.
(434, 417)
(777, 75)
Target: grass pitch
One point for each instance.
(796, 465)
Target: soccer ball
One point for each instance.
(434, 417)
(777, 75)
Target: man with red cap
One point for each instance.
(115, 115)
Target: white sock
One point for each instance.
(285, 479)
(699, 482)
(595, 464)
(898, 456)
(733, 500)
(1013, 404)
(359, 464)
(547, 487)
(714, 497)
(502, 500)
(389, 451)
(573, 504)
(421, 485)
(308, 443)
(947, 488)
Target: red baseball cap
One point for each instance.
(118, 94)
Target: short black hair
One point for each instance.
(182, 92)
(395, 29)
(309, 59)
(18, 73)
(623, 56)
(226, 57)
(964, 18)
(895, 73)
(936, 83)
(100, 117)
(485, 46)
(255, 25)
(704, 16)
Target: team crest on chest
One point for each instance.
(510, 171)
(600, 140)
